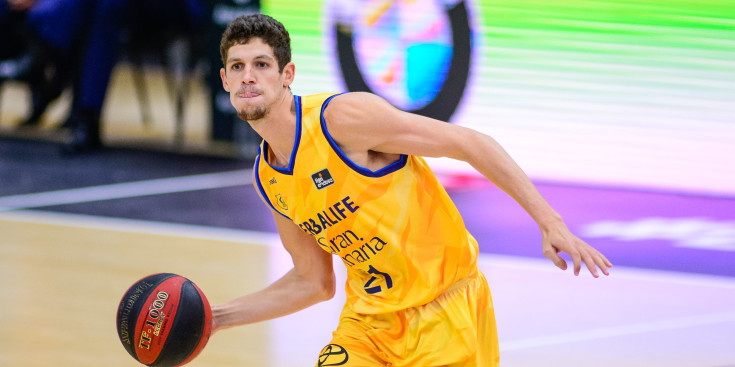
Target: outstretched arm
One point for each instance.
(363, 124)
(310, 281)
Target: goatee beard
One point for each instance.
(255, 113)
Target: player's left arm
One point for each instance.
(362, 123)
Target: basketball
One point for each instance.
(164, 320)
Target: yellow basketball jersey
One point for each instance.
(395, 229)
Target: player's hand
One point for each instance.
(560, 239)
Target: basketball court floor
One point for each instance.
(75, 232)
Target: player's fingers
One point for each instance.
(591, 264)
(603, 263)
(577, 259)
(607, 262)
(553, 255)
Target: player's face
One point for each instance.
(251, 77)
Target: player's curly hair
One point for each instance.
(271, 31)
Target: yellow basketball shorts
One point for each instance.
(456, 329)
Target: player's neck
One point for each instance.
(278, 128)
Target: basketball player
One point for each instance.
(344, 176)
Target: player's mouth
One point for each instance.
(248, 93)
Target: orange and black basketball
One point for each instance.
(164, 320)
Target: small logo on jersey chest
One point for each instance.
(322, 179)
(281, 203)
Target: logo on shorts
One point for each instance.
(322, 179)
(333, 355)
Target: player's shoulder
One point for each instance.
(355, 120)
(332, 98)
(353, 106)
(316, 99)
(355, 98)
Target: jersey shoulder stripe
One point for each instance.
(395, 166)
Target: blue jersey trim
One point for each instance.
(292, 160)
(395, 166)
(258, 182)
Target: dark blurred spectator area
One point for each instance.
(159, 96)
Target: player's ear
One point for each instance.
(224, 79)
(288, 74)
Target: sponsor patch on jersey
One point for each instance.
(322, 179)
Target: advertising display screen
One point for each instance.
(637, 94)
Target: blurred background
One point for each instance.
(634, 94)
(120, 155)
(615, 93)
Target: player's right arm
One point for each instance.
(310, 281)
